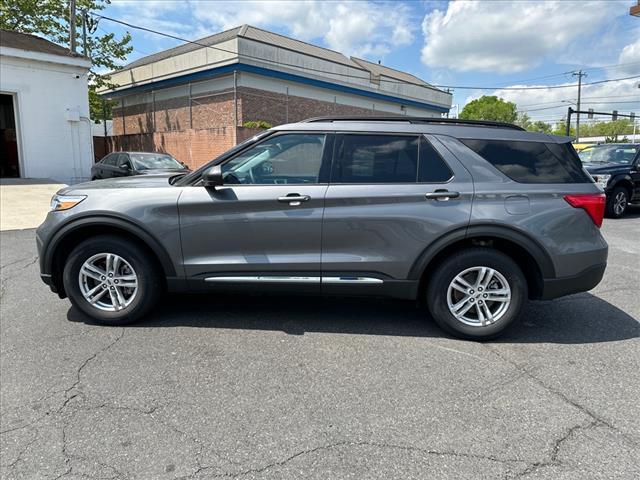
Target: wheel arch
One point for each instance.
(71, 234)
(530, 256)
(623, 181)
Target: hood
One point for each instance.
(136, 181)
(607, 168)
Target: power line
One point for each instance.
(325, 72)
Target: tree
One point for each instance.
(50, 19)
(523, 120)
(540, 126)
(490, 108)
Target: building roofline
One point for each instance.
(244, 67)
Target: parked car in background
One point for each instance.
(125, 164)
(469, 218)
(616, 168)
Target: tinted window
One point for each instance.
(432, 168)
(283, 159)
(123, 159)
(376, 159)
(532, 162)
(110, 159)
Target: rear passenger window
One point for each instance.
(432, 167)
(376, 159)
(531, 162)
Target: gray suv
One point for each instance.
(470, 218)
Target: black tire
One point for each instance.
(618, 194)
(150, 284)
(444, 274)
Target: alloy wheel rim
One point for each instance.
(620, 203)
(108, 282)
(479, 296)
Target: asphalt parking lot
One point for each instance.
(279, 387)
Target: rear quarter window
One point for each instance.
(532, 162)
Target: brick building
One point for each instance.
(194, 100)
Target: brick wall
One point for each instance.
(206, 112)
(196, 133)
(278, 108)
(192, 147)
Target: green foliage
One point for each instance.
(257, 124)
(607, 129)
(490, 108)
(541, 127)
(50, 19)
(523, 120)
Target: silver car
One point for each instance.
(472, 219)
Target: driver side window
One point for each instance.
(283, 159)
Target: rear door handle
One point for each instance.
(294, 199)
(441, 195)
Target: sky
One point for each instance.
(493, 46)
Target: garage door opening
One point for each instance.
(9, 161)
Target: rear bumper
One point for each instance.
(585, 280)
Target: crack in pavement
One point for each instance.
(5, 279)
(346, 443)
(31, 261)
(563, 396)
(83, 366)
(595, 420)
(555, 451)
(68, 397)
(18, 458)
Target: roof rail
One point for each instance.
(414, 120)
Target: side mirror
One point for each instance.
(212, 177)
(125, 166)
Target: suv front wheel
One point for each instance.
(112, 280)
(476, 293)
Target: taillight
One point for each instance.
(592, 203)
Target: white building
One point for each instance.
(45, 131)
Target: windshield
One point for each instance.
(152, 161)
(622, 154)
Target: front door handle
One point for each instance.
(294, 199)
(441, 195)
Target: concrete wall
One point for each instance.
(52, 114)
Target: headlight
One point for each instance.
(65, 202)
(602, 180)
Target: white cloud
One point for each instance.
(507, 37)
(360, 28)
(629, 59)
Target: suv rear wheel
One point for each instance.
(112, 280)
(476, 293)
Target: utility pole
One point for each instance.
(579, 74)
(72, 26)
(85, 50)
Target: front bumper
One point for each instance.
(582, 282)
